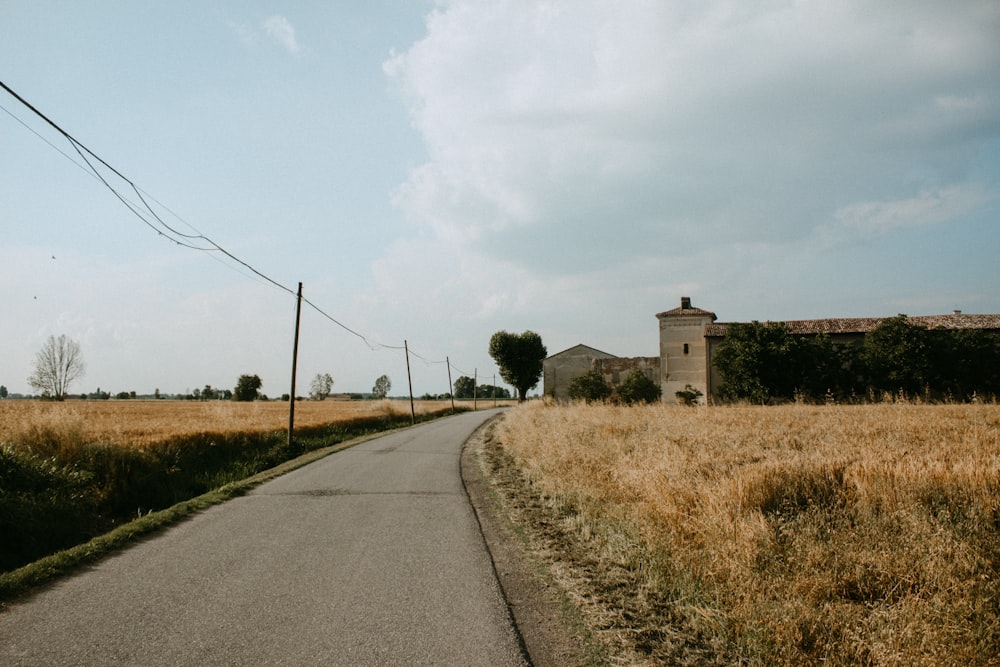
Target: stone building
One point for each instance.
(560, 369)
(689, 336)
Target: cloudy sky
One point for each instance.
(433, 172)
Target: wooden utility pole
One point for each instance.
(413, 413)
(451, 389)
(295, 361)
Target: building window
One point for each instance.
(685, 348)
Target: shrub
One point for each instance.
(589, 387)
(637, 388)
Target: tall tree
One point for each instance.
(465, 387)
(519, 358)
(382, 386)
(57, 365)
(321, 386)
(247, 388)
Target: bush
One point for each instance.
(637, 388)
(589, 387)
(688, 395)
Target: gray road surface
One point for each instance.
(371, 556)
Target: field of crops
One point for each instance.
(145, 422)
(772, 535)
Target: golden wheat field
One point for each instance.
(865, 534)
(142, 423)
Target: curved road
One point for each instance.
(370, 556)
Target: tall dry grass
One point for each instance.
(787, 535)
(142, 423)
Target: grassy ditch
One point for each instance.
(786, 535)
(59, 490)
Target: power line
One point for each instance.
(167, 231)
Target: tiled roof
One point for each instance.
(686, 312)
(860, 325)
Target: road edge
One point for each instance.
(536, 603)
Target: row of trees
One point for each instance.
(766, 362)
(519, 357)
(465, 387)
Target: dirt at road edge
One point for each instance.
(550, 627)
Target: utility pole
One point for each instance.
(413, 414)
(475, 389)
(451, 389)
(295, 361)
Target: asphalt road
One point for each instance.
(371, 556)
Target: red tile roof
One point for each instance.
(860, 325)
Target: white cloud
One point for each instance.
(573, 136)
(930, 207)
(281, 31)
(277, 29)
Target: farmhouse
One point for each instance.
(689, 337)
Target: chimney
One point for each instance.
(685, 303)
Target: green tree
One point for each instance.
(589, 387)
(247, 388)
(321, 386)
(57, 365)
(490, 391)
(3, 392)
(754, 361)
(465, 387)
(519, 358)
(637, 388)
(897, 356)
(382, 386)
(965, 362)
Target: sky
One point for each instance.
(434, 172)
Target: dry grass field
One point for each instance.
(142, 423)
(850, 535)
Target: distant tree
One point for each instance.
(57, 365)
(519, 358)
(491, 391)
(247, 388)
(637, 388)
(382, 386)
(464, 387)
(589, 387)
(321, 386)
(3, 392)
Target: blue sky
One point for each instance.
(437, 171)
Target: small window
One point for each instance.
(685, 348)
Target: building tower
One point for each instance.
(683, 350)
